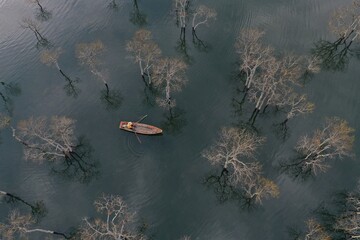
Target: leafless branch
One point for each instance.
(117, 223)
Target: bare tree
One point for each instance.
(296, 105)
(44, 140)
(88, 55)
(181, 10)
(313, 64)
(50, 58)
(235, 152)
(38, 208)
(334, 140)
(54, 141)
(118, 222)
(202, 15)
(349, 221)
(345, 23)
(144, 52)
(253, 54)
(169, 74)
(275, 82)
(315, 231)
(18, 226)
(28, 23)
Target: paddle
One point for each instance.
(142, 118)
(137, 137)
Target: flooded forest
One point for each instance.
(179, 119)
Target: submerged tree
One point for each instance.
(38, 208)
(235, 152)
(296, 105)
(181, 10)
(275, 82)
(169, 74)
(18, 226)
(117, 223)
(28, 23)
(315, 231)
(345, 22)
(144, 52)
(349, 221)
(55, 141)
(43, 13)
(88, 55)
(50, 57)
(253, 54)
(270, 80)
(202, 15)
(44, 140)
(334, 140)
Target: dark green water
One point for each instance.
(161, 179)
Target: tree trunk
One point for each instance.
(253, 116)
(149, 76)
(17, 198)
(46, 231)
(182, 34)
(136, 4)
(107, 89)
(265, 108)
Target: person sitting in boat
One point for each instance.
(130, 125)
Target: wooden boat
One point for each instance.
(140, 128)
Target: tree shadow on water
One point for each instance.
(174, 121)
(150, 94)
(224, 191)
(80, 164)
(43, 15)
(332, 55)
(182, 47)
(137, 17)
(112, 99)
(71, 89)
(38, 208)
(331, 211)
(296, 168)
(7, 92)
(199, 44)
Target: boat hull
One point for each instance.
(140, 128)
